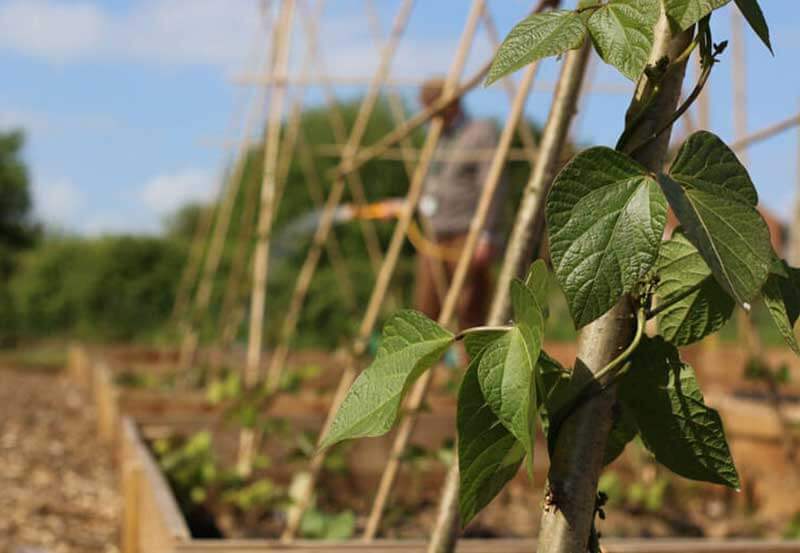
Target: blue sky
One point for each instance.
(128, 105)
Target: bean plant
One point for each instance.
(606, 216)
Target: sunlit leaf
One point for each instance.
(538, 36)
(605, 215)
(410, 344)
(623, 31)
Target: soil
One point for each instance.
(58, 492)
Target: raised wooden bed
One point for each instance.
(153, 524)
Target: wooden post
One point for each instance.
(264, 228)
(131, 481)
(419, 391)
(578, 455)
(518, 253)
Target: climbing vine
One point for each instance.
(606, 216)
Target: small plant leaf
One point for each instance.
(506, 368)
(606, 216)
(410, 344)
(684, 434)
(488, 454)
(537, 282)
(782, 298)
(713, 198)
(685, 13)
(622, 33)
(704, 307)
(475, 342)
(538, 36)
(755, 18)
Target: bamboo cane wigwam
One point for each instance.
(353, 156)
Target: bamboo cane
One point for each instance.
(578, 455)
(530, 147)
(439, 271)
(765, 133)
(217, 243)
(261, 254)
(424, 116)
(518, 253)
(334, 196)
(420, 389)
(295, 515)
(339, 128)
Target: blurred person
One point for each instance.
(450, 197)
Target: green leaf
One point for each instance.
(755, 17)
(623, 31)
(606, 216)
(537, 282)
(488, 454)
(506, 368)
(704, 162)
(704, 307)
(411, 343)
(535, 37)
(475, 342)
(782, 298)
(684, 434)
(685, 13)
(622, 432)
(713, 198)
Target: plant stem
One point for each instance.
(580, 445)
(623, 357)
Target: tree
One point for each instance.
(605, 215)
(16, 230)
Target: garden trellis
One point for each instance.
(543, 156)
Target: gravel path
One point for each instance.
(58, 491)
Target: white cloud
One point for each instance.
(163, 194)
(208, 32)
(57, 202)
(155, 31)
(54, 30)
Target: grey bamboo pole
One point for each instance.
(381, 285)
(518, 253)
(417, 396)
(264, 228)
(578, 455)
(335, 195)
